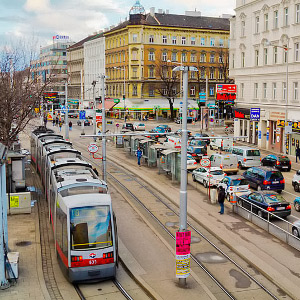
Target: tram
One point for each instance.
(80, 210)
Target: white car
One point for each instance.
(296, 181)
(139, 126)
(208, 176)
(191, 163)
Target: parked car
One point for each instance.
(221, 144)
(265, 178)
(139, 126)
(208, 176)
(178, 132)
(160, 130)
(128, 126)
(86, 123)
(296, 181)
(234, 184)
(227, 162)
(297, 204)
(201, 135)
(166, 127)
(246, 156)
(191, 163)
(200, 143)
(265, 202)
(280, 162)
(296, 228)
(197, 152)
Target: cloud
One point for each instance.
(36, 5)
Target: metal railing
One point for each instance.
(282, 232)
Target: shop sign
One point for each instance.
(293, 141)
(255, 114)
(287, 142)
(275, 115)
(280, 123)
(288, 127)
(226, 88)
(296, 126)
(268, 135)
(241, 115)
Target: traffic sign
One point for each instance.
(82, 115)
(116, 101)
(117, 125)
(92, 148)
(205, 162)
(98, 117)
(255, 114)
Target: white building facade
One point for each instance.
(265, 64)
(94, 66)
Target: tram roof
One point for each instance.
(61, 149)
(56, 141)
(88, 200)
(44, 135)
(65, 162)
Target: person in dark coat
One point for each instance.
(297, 153)
(221, 198)
(139, 154)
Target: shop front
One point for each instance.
(294, 138)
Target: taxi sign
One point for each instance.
(205, 162)
(92, 148)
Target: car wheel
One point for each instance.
(260, 214)
(211, 148)
(297, 206)
(240, 166)
(279, 191)
(295, 231)
(228, 197)
(205, 183)
(258, 188)
(296, 187)
(194, 178)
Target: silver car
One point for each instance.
(208, 176)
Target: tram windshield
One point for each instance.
(83, 189)
(90, 227)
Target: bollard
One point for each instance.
(213, 196)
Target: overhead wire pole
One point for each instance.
(94, 108)
(66, 112)
(102, 77)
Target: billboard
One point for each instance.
(226, 88)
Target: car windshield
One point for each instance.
(90, 227)
(272, 198)
(284, 158)
(276, 175)
(237, 182)
(217, 172)
(253, 153)
(198, 143)
(198, 150)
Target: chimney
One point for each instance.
(193, 13)
(160, 11)
(111, 27)
(152, 11)
(106, 29)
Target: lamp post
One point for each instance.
(66, 112)
(286, 49)
(94, 108)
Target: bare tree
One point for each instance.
(20, 93)
(168, 82)
(223, 64)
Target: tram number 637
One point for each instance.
(93, 261)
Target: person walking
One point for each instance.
(221, 198)
(53, 122)
(139, 155)
(70, 125)
(60, 125)
(56, 121)
(297, 153)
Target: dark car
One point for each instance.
(86, 123)
(197, 152)
(280, 162)
(265, 178)
(166, 127)
(128, 126)
(194, 142)
(180, 130)
(202, 135)
(265, 202)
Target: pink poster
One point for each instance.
(183, 242)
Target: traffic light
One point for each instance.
(123, 97)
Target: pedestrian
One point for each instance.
(70, 125)
(96, 171)
(56, 121)
(125, 119)
(53, 122)
(221, 198)
(45, 120)
(139, 155)
(60, 125)
(297, 153)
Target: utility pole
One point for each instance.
(94, 108)
(66, 112)
(102, 77)
(81, 101)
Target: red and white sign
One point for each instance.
(93, 148)
(98, 117)
(205, 162)
(226, 88)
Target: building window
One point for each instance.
(275, 55)
(232, 61)
(242, 90)
(151, 39)
(203, 57)
(212, 58)
(296, 51)
(274, 90)
(151, 91)
(211, 91)
(221, 43)
(286, 16)
(243, 59)
(183, 57)
(220, 73)
(174, 56)
(220, 59)
(134, 38)
(165, 92)
(202, 42)
(151, 56)
(183, 40)
(151, 72)
(174, 40)
(134, 55)
(164, 39)
(193, 57)
(243, 28)
(174, 91)
(255, 90)
(284, 90)
(202, 73)
(212, 42)
(264, 90)
(193, 40)
(256, 57)
(134, 72)
(134, 90)
(295, 90)
(275, 19)
(297, 9)
(266, 22)
(265, 56)
(193, 74)
(212, 73)
(285, 56)
(257, 24)
(192, 91)
(164, 56)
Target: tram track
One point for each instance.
(270, 289)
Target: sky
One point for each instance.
(39, 20)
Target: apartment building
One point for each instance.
(265, 64)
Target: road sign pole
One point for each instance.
(103, 128)
(66, 112)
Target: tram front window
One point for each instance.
(90, 227)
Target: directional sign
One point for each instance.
(82, 115)
(255, 114)
(205, 162)
(92, 148)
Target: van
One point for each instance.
(247, 156)
(227, 162)
(173, 141)
(221, 144)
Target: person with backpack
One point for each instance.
(221, 198)
(139, 154)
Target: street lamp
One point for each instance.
(94, 108)
(66, 112)
(124, 85)
(286, 49)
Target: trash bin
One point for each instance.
(213, 196)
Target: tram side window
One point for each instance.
(52, 200)
(64, 234)
(59, 226)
